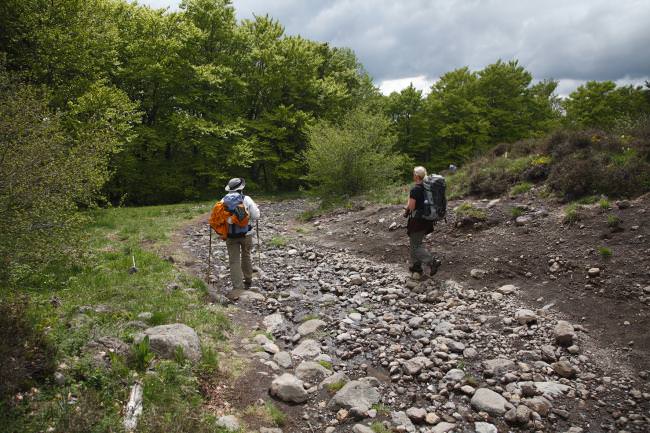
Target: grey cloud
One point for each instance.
(572, 40)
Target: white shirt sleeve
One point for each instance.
(251, 207)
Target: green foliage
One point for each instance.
(278, 417)
(142, 354)
(613, 221)
(335, 386)
(347, 160)
(516, 212)
(326, 364)
(467, 210)
(604, 204)
(605, 252)
(604, 106)
(209, 364)
(521, 188)
(572, 213)
(381, 409)
(278, 242)
(379, 427)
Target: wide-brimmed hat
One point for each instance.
(236, 184)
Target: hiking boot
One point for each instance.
(247, 284)
(415, 268)
(435, 264)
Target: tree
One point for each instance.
(406, 111)
(351, 158)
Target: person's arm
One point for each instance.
(410, 206)
(253, 210)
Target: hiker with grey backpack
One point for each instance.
(427, 204)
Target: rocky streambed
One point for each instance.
(345, 343)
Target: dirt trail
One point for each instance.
(347, 270)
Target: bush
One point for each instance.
(467, 211)
(516, 212)
(26, 356)
(353, 158)
(521, 188)
(613, 221)
(605, 252)
(572, 213)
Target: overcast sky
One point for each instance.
(406, 41)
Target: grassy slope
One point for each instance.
(92, 398)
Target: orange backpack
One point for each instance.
(219, 219)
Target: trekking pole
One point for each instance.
(259, 259)
(207, 276)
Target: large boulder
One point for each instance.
(360, 394)
(486, 400)
(165, 340)
(289, 388)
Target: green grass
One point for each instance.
(605, 252)
(613, 221)
(521, 188)
(381, 409)
(335, 386)
(516, 212)
(326, 364)
(590, 199)
(276, 415)
(378, 427)
(604, 204)
(278, 242)
(467, 210)
(172, 395)
(572, 213)
(308, 317)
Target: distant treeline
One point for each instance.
(189, 98)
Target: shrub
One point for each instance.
(278, 417)
(378, 427)
(613, 221)
(278, 242)
(26, 356)
(604, 204)
(605, 252)
(521, 188)
(326, 364)
(516, 212)
(572, 213)
(141, 354)
(466, 210)
(347, 160)
(335, 386)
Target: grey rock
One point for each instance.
(289, 388)
(486, 400)
(551, 389)
(274, 323)
(454, 375)
(402, 421)
(478, 273)
(336, 378)
(525, 317)
(311, 372)
(416, 414)
(485, 427)
(166, 339)
(360, 394)
(593, 272)
(539, 404)
(507, 289)
(59, 378)
(307, 349)
(360, 428)
(497, 366)
(564, 333)
(564, 369)
(310, 326)
(270, 430)
(283, 359)
(229, 423)
(443, 427)
(415, 365)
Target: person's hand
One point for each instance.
(407, 212)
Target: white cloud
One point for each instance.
(421, 82)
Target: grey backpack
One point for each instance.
(435, 199)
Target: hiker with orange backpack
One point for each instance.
(233, 218)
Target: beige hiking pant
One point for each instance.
(239, 257)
